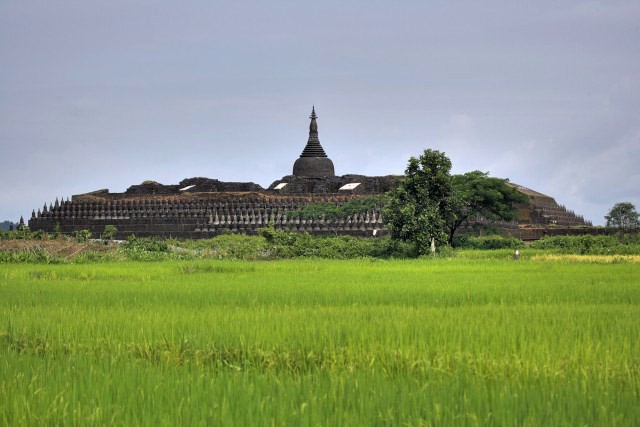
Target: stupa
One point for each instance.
(313, 161)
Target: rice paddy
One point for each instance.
(461, 341)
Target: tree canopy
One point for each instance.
(623, 215)
(430, 204)
(476, 194)
(419, 207)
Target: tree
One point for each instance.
(109, 232)
(623, 215)
(476, 194)
(419, 207)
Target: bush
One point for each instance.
(588, 245)
(109, 232)
(83, 236)
(487, 242)
(284, 244)
(386, 247)
(22, 234)
(238, 246)
(32, 255)
(144, 249)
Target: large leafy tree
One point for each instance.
(419, 207)
(624, 216)
(479, 195)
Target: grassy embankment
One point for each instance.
(460, 341)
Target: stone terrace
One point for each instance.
(197, 215)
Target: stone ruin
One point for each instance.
(203, 207)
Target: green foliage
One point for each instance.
(22, 234)
(109, 232)
(328, 211)
(35, 255)
(56, 231)
(83, 236)
(39, 235)
(274, 244)
(479, 195)
(624, 216)
(277, 244)
(145, 249)
(237, 247)
(418, 208)
(487, 242)
(589, 245)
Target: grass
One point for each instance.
(460, 341)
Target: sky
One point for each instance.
(106, 94)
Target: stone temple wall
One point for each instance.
(198, 185)
(198, 215)
(211, 207)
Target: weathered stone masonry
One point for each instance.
(198, 215)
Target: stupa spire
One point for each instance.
(313, 162)
(313, 147)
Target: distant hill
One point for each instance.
(4, 226)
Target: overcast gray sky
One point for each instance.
(106, 94)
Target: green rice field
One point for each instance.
(462, 341)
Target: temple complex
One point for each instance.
(203, 207)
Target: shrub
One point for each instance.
(487, 242)
(37, 255)
(386, 247)
(83, 236)
(588, 245)
(39, 235)
(238, 246)
(144, 249)
(109, 232)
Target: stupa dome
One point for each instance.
(313, 161)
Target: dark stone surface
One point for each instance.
(313, 167)
(202, 185)
(151, 187)
(206, 214)
(198, 215)
(214, 185)
(313, 161)
(330, 185)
